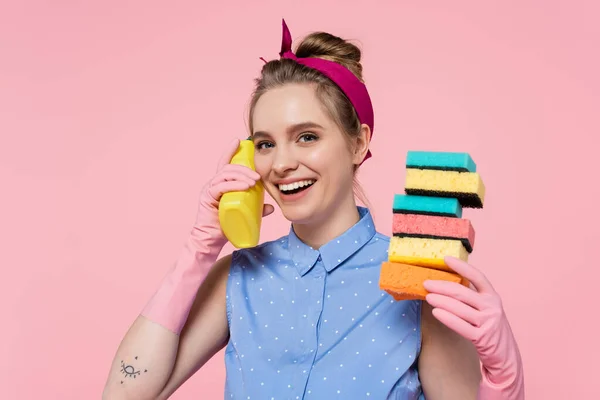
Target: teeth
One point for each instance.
(295, 185)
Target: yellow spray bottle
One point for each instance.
(240, 213)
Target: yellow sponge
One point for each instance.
(467, 187)
(425, 252)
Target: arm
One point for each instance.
(206, 331)
(476, 313)
(184, 324)
(448, 363)
(161, 360)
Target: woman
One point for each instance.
(302, 316)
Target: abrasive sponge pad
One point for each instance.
(426, 205)
(466, 187)
(425, 252)
(435, 227)
(405, 282)
(441, 160)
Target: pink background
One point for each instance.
(113, 115)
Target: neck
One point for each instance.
(335, 222)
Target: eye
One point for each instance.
(263, 145)
(308, 137)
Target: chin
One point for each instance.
(301, 211)
(298, 214)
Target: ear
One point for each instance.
(361, 145)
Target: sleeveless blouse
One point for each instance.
(314, 324)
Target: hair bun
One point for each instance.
(333, 48)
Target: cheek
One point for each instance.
(262, 165)
(320, 158)
(328, 161)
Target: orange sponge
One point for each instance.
(405, 281)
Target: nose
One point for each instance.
(284, 161)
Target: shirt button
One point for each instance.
(319, 258)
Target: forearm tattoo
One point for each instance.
(130, 371)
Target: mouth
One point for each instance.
(295, 187)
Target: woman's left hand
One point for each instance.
(477, 314)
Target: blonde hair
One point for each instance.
(277, 73)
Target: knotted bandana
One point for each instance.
(349, 84)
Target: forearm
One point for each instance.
(502, 376)
(146, 356)
(143, 362)
(505, 384)
(449, 366)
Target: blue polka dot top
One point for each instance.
(313, 324)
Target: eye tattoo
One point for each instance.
(129, 371)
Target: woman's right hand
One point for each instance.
(229, 178)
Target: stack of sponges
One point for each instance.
(428, 223)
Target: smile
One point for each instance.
(295, 187)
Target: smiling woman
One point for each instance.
(335, 106)
(297, 142)
(303, 316)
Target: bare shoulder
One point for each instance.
(220, 269)
(448, 363)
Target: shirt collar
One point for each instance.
(336, 251)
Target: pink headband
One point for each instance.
(348, 83)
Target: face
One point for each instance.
(303, 157)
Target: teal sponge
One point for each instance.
(446, 161)
(427, 205)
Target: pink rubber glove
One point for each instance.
(171, 304)
(477, 314)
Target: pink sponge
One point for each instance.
(437, 227)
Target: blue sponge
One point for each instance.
(447, 161)
(427, 205)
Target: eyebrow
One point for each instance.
(291, 129)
